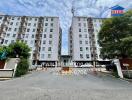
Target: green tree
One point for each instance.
(3, 52)
(22, 67)
(115, 36)
(19, 49)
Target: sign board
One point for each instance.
(117, 10)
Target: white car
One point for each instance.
(86, 65)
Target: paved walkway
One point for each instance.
(41, 85)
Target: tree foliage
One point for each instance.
(19, 49)
(115, 36)
(3, 52)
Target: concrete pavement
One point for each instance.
(44, 85)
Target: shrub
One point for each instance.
(22, 67)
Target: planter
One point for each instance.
(2, 64)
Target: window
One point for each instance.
(27, 35)
(11, 23)
(6, 28)
(12, 18)
(44, 42)
(51, 24)
(49, 55)
(49, 49)
(18, 18)
(43, 48)
(46, 24)
(31, 42)
(95, 25)
(52, 19)
(87, 56)
(15, 29)
(29, 24)
(84, 24)
(6, 41)
(45, 30)
(79, 30)
(95, 48)
(25, 41)
(35, 25)
(9, 29)
(85, 30)
(44, 35)
(35, 19)
(81, 49)
(86, 48)
(79, 24)
(80, 35)
(14, 35)
(50, 42)
(84, 19)
(28, 30)
(32, 35)
(78, 19)
(81, 55)
(30, 19)
(42, 56)
(86, 36)
(12, 41)
(33, 30)
(50, 36)
(86, 42)
(40, 35)
(80, 42)
(70, 41)
(51, 30)
(46, 19)
(8, 35)
(16, 23)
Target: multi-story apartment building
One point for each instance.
(42, 35)
(83, 39)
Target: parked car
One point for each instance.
(86, 65)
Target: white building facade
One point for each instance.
(42, 35)
(83, 40)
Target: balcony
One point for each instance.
(90, 30)
(24, 19)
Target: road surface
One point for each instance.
(44, 85)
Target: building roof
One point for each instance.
(117, 7)
(30, 16)
(88, 17)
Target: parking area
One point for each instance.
(46, 85)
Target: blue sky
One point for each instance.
(62, 9)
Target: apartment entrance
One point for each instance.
(65, 60)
